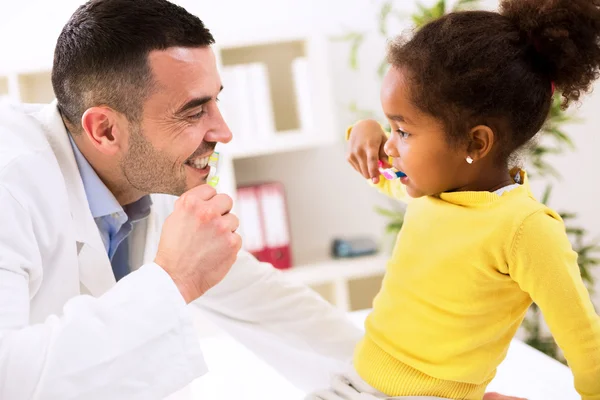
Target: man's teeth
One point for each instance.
(199, 162)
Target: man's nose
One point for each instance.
(220, 131)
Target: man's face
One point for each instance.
(168, 150)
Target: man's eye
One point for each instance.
(197, 115)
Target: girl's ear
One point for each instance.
(482, 139)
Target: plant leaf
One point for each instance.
(587, 249)
(394, 228)
(390, 213)
(354, 48)
(546, 195)
(360, 112)
(384, 12)
(466, 5)
(560, 137)
(575, 231)
(382, 69)
(425, 14)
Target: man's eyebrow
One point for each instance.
(195, 102)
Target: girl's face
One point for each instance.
(418, 143)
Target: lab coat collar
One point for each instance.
(94, 266)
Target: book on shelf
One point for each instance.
(261, 103)
(246, 103)
(301, 75)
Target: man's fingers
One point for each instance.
(222, 203)
(194, 197)
(230, 222)
(203, 192)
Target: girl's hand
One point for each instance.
(365, 148)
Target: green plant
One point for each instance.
(395, 220)
(386, 12)
(552, 140)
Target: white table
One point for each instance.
(235, 373)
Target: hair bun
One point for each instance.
(564, 38)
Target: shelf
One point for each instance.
(36, 87)
(3, 86)
(343, 269)
(33, 65)
(229, 39)
(274, 82)
(28, 87)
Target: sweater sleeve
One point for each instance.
(545, 266)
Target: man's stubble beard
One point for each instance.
(147, 170)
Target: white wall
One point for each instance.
(262, 18)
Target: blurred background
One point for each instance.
(297, 73)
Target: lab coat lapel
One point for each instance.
(95, 271)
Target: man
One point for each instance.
(92, 303)
(136, 113)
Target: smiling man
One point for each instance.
(93, 303)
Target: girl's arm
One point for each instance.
(544, 265)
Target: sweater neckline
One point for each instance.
(475, 198)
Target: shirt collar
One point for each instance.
(101, 200)
(140, 209)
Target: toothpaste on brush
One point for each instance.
(390, 173)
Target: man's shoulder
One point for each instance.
(27, 161)
(21, 135)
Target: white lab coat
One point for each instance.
(68, 331)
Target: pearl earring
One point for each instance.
(469, 160)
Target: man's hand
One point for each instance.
(498, 396)
(365, 148)
(198, 244)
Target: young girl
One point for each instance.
(476, 248)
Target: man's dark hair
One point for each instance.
(101, 56)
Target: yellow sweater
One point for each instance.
(465, 269)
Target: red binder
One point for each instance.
(264, 223)
(275, 224)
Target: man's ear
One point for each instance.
(102, 127)
(481, 142)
